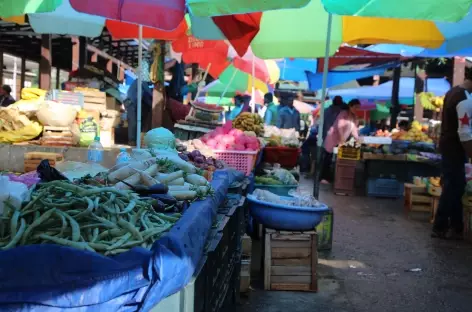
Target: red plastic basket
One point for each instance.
(285, 156)
(241, 161)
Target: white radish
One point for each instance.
(196, 179)
(171, 177)
(183, 195)
(133, 180)
(124, 172)
(174, 188)
(179, 181)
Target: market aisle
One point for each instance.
(370, 268)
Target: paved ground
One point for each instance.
(374, 249)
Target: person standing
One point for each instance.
(344, 127)
(5, 96)
(288, 117)
(455, 146)
(272, 111)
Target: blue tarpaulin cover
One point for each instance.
(338, 77)
(54, 278)
(438, 86)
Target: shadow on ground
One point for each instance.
(381, 261)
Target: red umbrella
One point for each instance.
(123, 30)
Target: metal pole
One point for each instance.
(227, 87)
(253, 93)
(15, 71)
(140, 86)
(316, 185)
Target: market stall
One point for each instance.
(130, 236)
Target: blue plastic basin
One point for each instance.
(281, 190)
(287, 218)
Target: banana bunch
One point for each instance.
(249, 122)
(78, 89)
(435, 181)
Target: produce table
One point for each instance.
(401, 169)
(54, 278)
(189, 131)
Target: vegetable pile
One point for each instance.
(165, 175)
(276, 176)
(101, 219)
(201, 161)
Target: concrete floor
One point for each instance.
(369, 269)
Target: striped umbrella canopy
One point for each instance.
(433, 10)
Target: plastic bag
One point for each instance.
(77, 170)
(47, 173)
(27, 133)
(56, 114)
(15, 193)
(284, 176)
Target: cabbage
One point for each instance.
(160, 138)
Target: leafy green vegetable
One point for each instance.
(267, 180)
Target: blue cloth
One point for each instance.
(52, 278)
(438, 86)
(235, 112)
(288, 118)
(330, 115)
(367, 130)
(335, 78)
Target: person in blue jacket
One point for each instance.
(288, 117)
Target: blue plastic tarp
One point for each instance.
(338, 77)
(438, 86)
(54, 278)
(294, 70)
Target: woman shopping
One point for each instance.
(343, 128)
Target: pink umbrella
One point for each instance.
(161, 14)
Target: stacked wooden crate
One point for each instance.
(417, 199)
(245, 282)
(57, 136)
(290, 260)
(33, 159)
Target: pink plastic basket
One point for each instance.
(241, 161)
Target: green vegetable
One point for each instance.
(267, 180)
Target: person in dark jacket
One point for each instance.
(288, 116)
(5, 96)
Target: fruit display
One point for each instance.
(227, 138)
(249, 122)
(431, 102)
(415, 134)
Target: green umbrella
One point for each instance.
(20, 7)
(433, 10)
(229, 7)
(381, 112)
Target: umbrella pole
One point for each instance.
(253, 93)
(203, 79)
(140, 87)
(227, 87)
(316, 185)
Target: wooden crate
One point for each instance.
(290, 260)
(94, 100)
(57, 136)
(33, 159)
(417, 199)
(344, 177)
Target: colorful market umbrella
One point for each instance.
(160, 14)
(300, 33)
(228, 7)
(434, 10)
(242, 81)
(217, 55)
(222, 89)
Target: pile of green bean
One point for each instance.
(100, 219)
